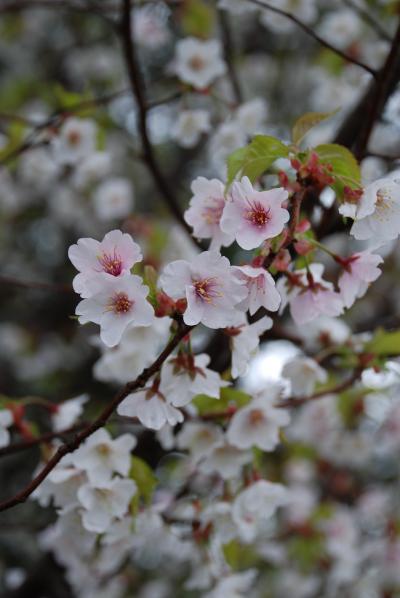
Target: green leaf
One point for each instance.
(197, 18)
(228, 396)
(255, 158)
(238, 556)
(144, 477)
(307, 121)
(384, 343)
(346, 170)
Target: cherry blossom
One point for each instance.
(185, 376)
(245, 339)
(113, 256)
(303, 373)
(66, 413)
(200, 438)
(226, 460)
(259, 422)
(378, 212)
(76, 140)
(209, 286)
(189, 127)
(359, 271)
(205, 211)
(113, 199)
(6, 420)
(198, 62)
(251, 115)
(254, 216)
(151, 408)
(309, 295)
(102, 503)
(115, 303)
(260, 287)
(100, 456)
(255, 505)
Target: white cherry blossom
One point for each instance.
(200, 438)
(226, 460)
(115, 303)
(198, 62)
(151, 408)
(303, 373)
(251, 115)
(260, 287)
(205, 211)
(259, 422)
(359, 271)
(100, 456)
(245, 339)
(185, 376)
(104, 503)
(113, 199)
(254, 216)
(113, 256)
(210, 287)
(75, 141)
(67, 412)
(378, 212)
(255, 505)
(189, 127)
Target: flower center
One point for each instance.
(112, 264)
(120, 303)
(256, 417)
(196, 63)
(256, 214)
(206, 289)
(74, 138)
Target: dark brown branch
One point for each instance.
(342, 386)
(378, 98)
(310, 31)
(138, 91)
(38, 286)
(227, 43)
(99, 422)
(18, 447)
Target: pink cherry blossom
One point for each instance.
(260, 287)
(309, 295)
(210, 287)
(114, 303)
(254, 216)
(113, 256)
(205, 211)
(359, 271)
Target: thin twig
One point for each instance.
(298, 401)
(310, 31)
(367, 17)
(17, 447)
(228, 55)
(138, 91)
(99, 422)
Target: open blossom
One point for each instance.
(113, 256)
(235, 585)
(210, 287)
(198, 62)
(255, 505)
(226, 460)
(303, 373)
(66, 413)
(251, 115)
(100, 456)
(205, 211)
(254, 216)
(359, 271)
(76, 141)
(309, 295)
(304, 10)
(378, 212)
(189, 127)
(104, 503)
(260, 287)
(259, 422)
(245, 339)
(6, 419)
(151, 408)
(114, 304)
(185, 376)
(113, 199)
(200, 438)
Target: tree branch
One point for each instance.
(39, 286)
(138, 91)
(228, 55)
(99, 422)
(310, 31)
(18, 447)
